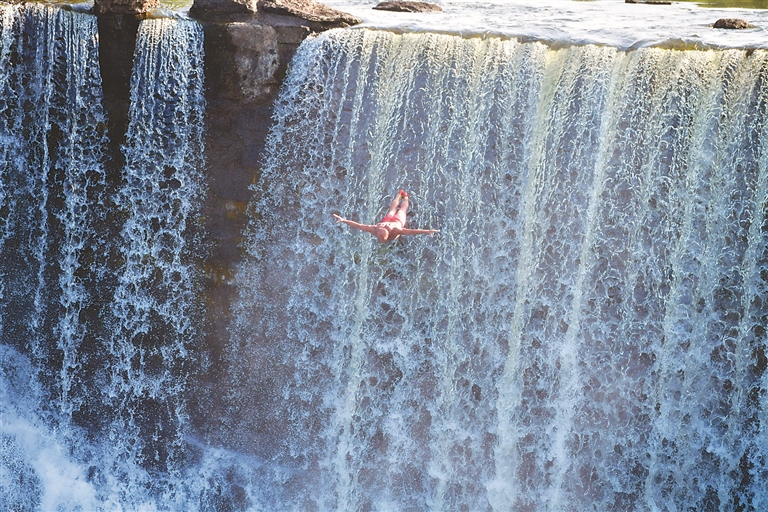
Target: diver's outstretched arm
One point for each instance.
(362, 227)
(407, 231)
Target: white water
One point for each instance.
(682, 25)
(587, 330)
(98, 289)
(50, 90)
(154, 304)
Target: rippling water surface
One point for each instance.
(611, 22)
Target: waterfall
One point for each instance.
(98, 282)
(51, 177)
(52, 132)
(586, 331)
(154, 306)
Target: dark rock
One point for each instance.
(117, 42)
(245, 63)
(731, 23)
(649, 2)
(408, 7)
(223, 6)
(124, 6)
(309, 10)
(249, 71)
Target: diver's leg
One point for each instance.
(403, 209)
(393, 205)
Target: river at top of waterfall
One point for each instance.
(565, 22)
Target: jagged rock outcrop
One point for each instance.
(222, 7)
(731, 23)
(309, 10)
(243, 61)
(406, 6)
(319, 16)
(124, 6)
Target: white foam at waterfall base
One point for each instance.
(48, 464)
(37, 471)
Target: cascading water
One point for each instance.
(51, 176)
(49, 92)
(154, 306)
(586, 332)
(97, 277)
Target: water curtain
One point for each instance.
(97, 279)
(588, 330)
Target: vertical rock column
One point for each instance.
(245, 63)
(117, 41)
(247, 52)
(118, 25)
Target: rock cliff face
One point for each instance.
(124, 6)
(117, 40)
(247, 57)
(246, 61)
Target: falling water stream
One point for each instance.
(97, 280)
(588, 328)
(587, 331)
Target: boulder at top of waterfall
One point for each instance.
(124, 6)
(309, 10)
(731, 23)
(405, 6)
(202, 7)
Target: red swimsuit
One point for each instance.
(390, 218)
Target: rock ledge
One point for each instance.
(309, 10)
(406, 6)
(124, 6)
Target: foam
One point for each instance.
(682, 25)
